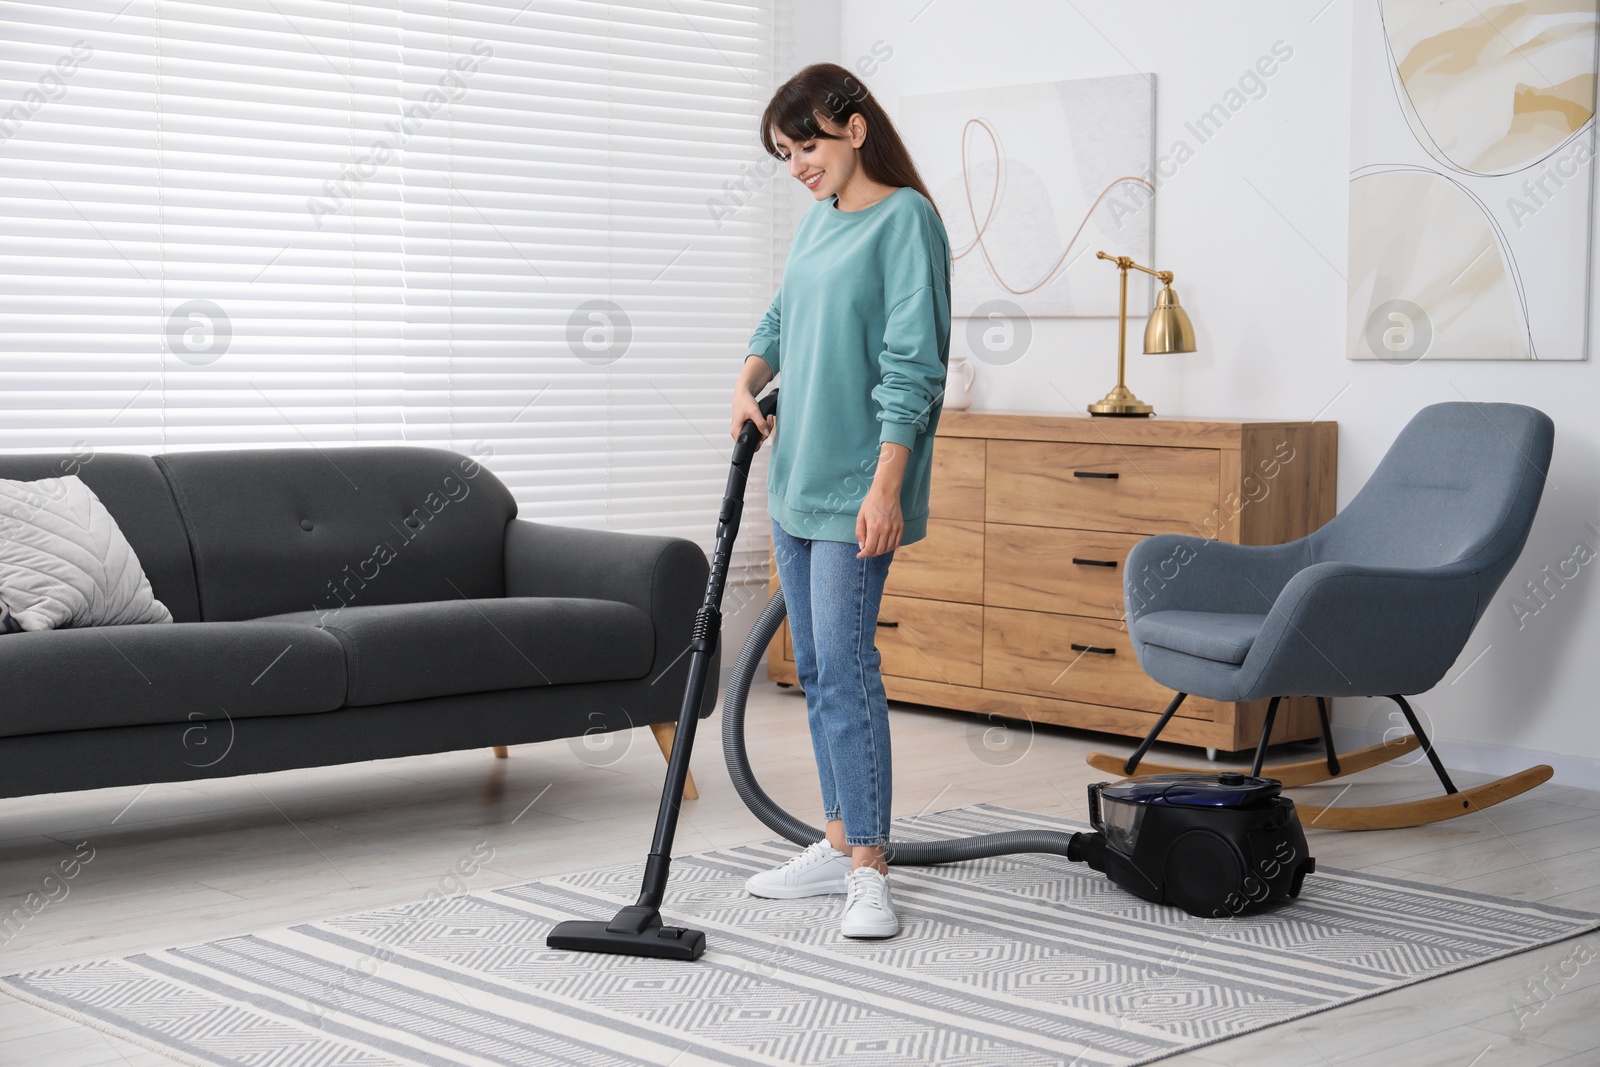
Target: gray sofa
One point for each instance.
(335, 605)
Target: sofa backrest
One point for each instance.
(278, 530)
(135, 492)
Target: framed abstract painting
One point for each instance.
(1472, 180)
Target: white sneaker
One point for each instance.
(868, 912)
(819, 870)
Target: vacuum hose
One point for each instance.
(901, 853)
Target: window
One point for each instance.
(538, 232)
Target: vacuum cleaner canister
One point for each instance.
(1214, 845)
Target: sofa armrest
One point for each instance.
(665, 577)
(1346, 629)
(1175, 572)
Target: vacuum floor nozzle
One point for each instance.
(636, 931)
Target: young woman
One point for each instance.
(860, 328)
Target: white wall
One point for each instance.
(1260, 270)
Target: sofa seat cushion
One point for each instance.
(396, 652)
(98, 676)
(1221, 636)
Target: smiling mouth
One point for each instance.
(813, 182)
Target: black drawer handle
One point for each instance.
(1094, 562)
(885, 622)
(1094, 474)
(1094, 648)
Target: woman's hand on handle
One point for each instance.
(746, 409)
(754, 378)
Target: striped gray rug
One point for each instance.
(1019, 961)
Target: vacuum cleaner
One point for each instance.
(1215, 845)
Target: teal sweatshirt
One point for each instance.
(860, 331)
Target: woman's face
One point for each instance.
(824, 165)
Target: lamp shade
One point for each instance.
(1169, 328)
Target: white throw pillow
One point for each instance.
(64, 562)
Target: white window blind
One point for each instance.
(540, 232)
(164, 285)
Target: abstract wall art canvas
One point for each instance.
(1031, 181)
(1471, 187)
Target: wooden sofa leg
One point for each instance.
(501, 752)
(666, 733)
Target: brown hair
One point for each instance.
(831, 94)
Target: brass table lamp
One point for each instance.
(1168, 330)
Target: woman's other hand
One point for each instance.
(879, 525)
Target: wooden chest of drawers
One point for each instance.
(1012, 605)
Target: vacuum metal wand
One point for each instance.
(637, 929)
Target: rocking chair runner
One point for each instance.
(1379, 602)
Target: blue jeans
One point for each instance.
(832, 600)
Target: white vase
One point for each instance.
(958, 380)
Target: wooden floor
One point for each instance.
(175, 864)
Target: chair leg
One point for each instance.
(1455, 802)
(1427, 746)
(1327, 737)
(501, 752)
(1266, 735)
(1150, 738)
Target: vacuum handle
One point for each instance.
(750, 435)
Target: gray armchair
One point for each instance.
(1378, 602)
